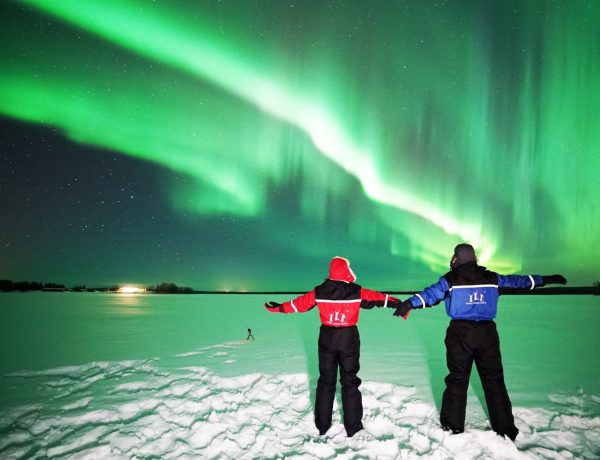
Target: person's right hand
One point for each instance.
(554, 279)
(274, 307)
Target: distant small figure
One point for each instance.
(250, 334)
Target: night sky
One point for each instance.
(239, 145)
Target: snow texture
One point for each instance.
(136, 409)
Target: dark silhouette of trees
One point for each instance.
(172, 288)
(54, 287)
(24, 286)
(8, 285)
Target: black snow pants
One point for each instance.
(339, 346)
(468, 341)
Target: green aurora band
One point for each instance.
(467, 121)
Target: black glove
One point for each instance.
(554, 279)
(394, 303)
(403, 309)
(274, 307)
(368, 304)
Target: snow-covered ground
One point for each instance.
(247, 399)
(135, 409)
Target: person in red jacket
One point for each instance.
(339, 300)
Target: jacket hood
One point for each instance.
(339, 270)
(469, 271)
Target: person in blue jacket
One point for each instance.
(471, 293)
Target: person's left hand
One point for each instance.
(554, 279)
(403, 309)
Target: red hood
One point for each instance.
(339, 270)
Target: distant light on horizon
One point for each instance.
(130, 290)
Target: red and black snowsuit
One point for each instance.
(339, 301)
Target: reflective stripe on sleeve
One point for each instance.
(422, 301)
(532, 282)
(386, 299)
(293, 306)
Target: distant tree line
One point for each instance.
(170, 288)
(8, 285)
(24, 286)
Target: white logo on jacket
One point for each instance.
(337, 317)
(476, 298)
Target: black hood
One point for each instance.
(470, 273)
(338, 290)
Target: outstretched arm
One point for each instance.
(426, 298)
(370, 299)
(519, 281)
(529, 281)
(300, 304)
(430, 296)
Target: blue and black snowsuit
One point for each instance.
(471, 293)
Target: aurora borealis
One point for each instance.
(240, 145)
